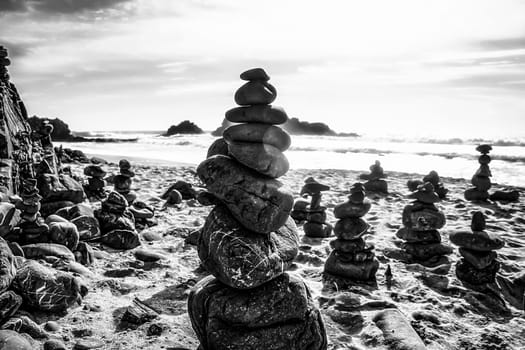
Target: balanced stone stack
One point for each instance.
(96, 183)
(375, 182)
(481, 179)
(117, 223)
(249, 239)
(33, 229)
(477, 248)
(434, 179)
(4, 63)
(122, 181)
(315, 225)
(421, 221)
(352, 258)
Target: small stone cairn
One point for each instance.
(315, 225)
(352, 258)
(481, 179)
(479, 263)
(421, 221)
(375, 182)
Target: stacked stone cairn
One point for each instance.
(33, 228)
(4, 63)
(352, 258)
(434, 179)
(117, 223)
(96, 183)
(249, 239)
(375, 182)
(122, 181)
(315, 225)
(477, 248)
(421, 220)
(481, 179)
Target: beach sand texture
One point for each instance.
(444, 313)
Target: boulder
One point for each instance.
(11, 340)
(121, 239)
(55, 188)
(64, 233)
(243, 259)
(259, 204)
(397, 331)
(47, 289)
(278, 315)
(43, 250)
(7, 266)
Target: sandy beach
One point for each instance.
(444, 313)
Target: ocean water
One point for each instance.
(452, 158)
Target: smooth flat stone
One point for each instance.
(255, 74)
(265, 114)
(265, 159)
(316, 230)
(346, 246)
(258, 133)
(260, 204)
(88, 343)
(255, 93)
(480, 241)
(397, 331)
(412, 236)
(352, 210)
(42, 250)
(358, 271)
(473, 194)
(241, 258)
(350, 228)
(148, 255)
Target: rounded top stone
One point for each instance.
(124, 164)
(432, 177)
(425, 194)
(484, 149)
(255, 74)
(478, 221)
(312, 186)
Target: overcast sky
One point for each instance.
(453, 67)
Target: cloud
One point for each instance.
(504, 44)
(61, 7)
(15, 49)
(13, 5)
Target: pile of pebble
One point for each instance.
(479, 263)
(421, 221)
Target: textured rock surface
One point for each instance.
(260, 204)
(277, 315)
(243, 259)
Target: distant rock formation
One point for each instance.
(185, 127)
(294, 126)
(62, 133)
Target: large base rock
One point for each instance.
(243, 259)
(468, 273)
(279, 315)
(473, 194)
(377, 186)
(47, 289)
(426, 251)
(353, 270)
(317, 230)
(259, 203)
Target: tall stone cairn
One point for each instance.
(249, 239)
